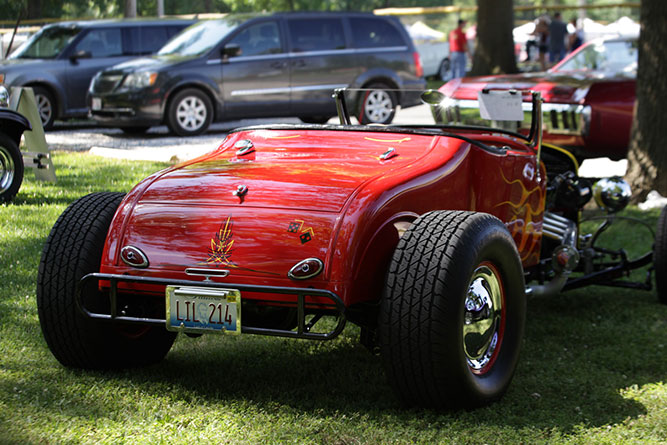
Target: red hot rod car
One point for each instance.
(589, 97)
(423, 235)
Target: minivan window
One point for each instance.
(315, 34)
(144, 40)
(198, 39)
(47, 43)
(374, 33)
(104, 42)
(262, 38)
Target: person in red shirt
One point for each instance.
(458, 49)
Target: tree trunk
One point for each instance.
(494, 49)
(647, 155)
(130, 8)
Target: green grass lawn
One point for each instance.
(593, 366)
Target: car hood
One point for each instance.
(297, 169)
(555, 86)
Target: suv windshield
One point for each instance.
(614, 57)
(198, 39)
(47, 43)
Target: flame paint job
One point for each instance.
(329, 188)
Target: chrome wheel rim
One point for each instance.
(6, 170)
(483, 318)
(191, 113)
(44, 107)
(378, 106)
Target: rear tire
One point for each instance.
(73, 250)
(377, 106)
(453, 311)
(660, 257)
(190, 112)
(11, 168)
(46, 106)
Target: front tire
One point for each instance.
(378, 105)
(11, 168)
(190, 112)
(73, 250)
(453, 311)
(660, 257)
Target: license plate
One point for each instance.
(96, 103)
(202, 309)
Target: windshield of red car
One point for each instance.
(611, 57)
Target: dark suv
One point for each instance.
(59, 61)
(284, 64)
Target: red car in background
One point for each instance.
(589, 97)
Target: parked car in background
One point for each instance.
(59, 61)
(433, 49)
(262, 66)
(589, 97)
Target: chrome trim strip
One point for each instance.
(283, 90)
(201, 272)
(293, 54)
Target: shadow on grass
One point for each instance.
(581, 350)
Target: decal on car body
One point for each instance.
(220, 250)
(305, 235)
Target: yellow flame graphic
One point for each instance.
(525, 228)
(220, 251)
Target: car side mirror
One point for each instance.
(81, 54)
(231, 50)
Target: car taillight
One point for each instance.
(418, 65)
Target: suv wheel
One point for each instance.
(46, 106)
(190, 112)
(378, 105)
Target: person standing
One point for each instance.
(458, 50)
(576, 37)
(557, 34)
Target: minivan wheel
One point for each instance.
(190, 112)
(378, 105)
(46, 106)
